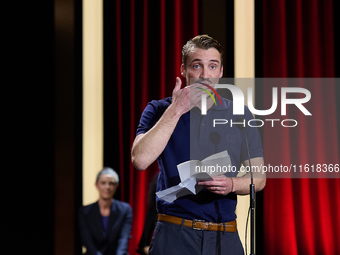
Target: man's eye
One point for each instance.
(213, 67)
(196, 66)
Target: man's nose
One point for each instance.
(204, 73)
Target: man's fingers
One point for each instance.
(216, 182)
(178, 84)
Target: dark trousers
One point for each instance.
(172, 239)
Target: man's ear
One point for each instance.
(183, 70)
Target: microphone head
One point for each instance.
(215, 138)
(239, 125)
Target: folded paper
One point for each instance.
(192, 171)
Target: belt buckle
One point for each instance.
(193, 224)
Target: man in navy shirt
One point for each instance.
(172, 131)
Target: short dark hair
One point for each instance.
(201, 42)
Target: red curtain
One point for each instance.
(301, 216)
(148, 39)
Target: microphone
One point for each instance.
(242, 128)
(215, 139)
(252, 191)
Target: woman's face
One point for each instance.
(106, 186)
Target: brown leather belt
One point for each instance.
(199, 224)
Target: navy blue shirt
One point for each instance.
(105, 221)
(191, 140)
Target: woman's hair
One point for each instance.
(110, 171)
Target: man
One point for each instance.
(173, 131)
(105, 225)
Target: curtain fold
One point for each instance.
(142, 57)
(301, 216)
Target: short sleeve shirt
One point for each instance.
(195, 137)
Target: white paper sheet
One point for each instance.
(190, 172)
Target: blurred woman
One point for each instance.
(105, 225)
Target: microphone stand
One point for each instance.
(252, 203)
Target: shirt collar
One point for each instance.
(219, 107)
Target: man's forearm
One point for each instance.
(147, 147)
(241, 184)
